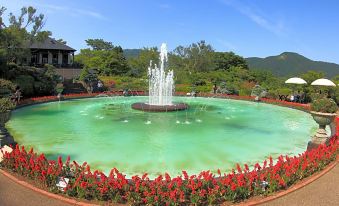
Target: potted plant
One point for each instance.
(323, 112)
(6, 105)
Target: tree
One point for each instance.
(99, 44)
(197, 57)
(140, 64)
(21, 31)
(226, 60)
(62, 41)
(2, 11)
(310, 76)
(108, 60)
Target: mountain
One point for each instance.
(292, 64)
(131, 53)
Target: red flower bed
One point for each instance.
(202, 189)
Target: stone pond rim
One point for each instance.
(159, 108)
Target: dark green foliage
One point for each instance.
(325, 105)
(291, 64)
(226, 60)
(34, 81)
(131, 53)
(100, 44)
(105, 58)
(140, 64)
(26, 83)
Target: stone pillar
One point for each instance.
(29, 59)
(69, 59)
(39, 58)
(50, 56)
(72, 57)
(59, 58)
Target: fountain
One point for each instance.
(161, 87)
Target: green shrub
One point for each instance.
(6, 87)
(204, 88)
(245, 92)
(325, 105)
(281, 91)
(6, 104)
(183, 88)
(26, 84)
(124, 82)
(59, 88)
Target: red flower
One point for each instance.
(233, 186)
(239, 168)
(282, 182)
(167, 177)
(68, 160)
(83, 184)
(185, 175)
(60, 162)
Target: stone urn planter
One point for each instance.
(4, 117)
(321, 137)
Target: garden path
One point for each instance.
(13, 194)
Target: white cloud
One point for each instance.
(89, 13)
(276, 27)
(53, 8)
(228, 45)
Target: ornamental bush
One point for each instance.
(6, 104)
(6, 87)
(202, 189)
(324, 105)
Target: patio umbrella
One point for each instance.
(295, 80)
(323, 82)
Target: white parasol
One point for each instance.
(295, 80)
(323, 82)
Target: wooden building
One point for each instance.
(51, 52)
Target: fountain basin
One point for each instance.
(211, 134)
(159, 108)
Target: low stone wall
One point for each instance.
(68, 73)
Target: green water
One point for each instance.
(213, 134)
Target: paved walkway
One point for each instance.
(13, 194)
(324, 191)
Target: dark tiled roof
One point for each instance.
(51, 43)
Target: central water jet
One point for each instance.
(161, 87)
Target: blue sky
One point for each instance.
(247, 27)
